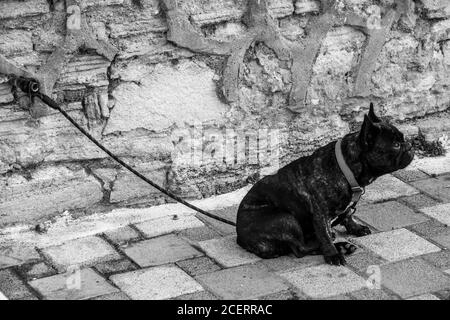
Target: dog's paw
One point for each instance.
(335, 260)
(345, 248)
(360, 231)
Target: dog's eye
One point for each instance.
(396, 145)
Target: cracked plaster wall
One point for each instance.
(143, 75)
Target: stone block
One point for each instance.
(122, 235)
(161, 250)
(156, 283)
(13, 254)
(324, 281)
(80, 252)
(396, 244)
(48, 191)
(413, 277)
(244, 282)
(79, 285)
(167, 225)
(12, 286)
(227, 252)
(17, 9)
(440, 212)
(198, 266)
(389, 215)
(115, 266)
(386, 188)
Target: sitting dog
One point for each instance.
(292, 210)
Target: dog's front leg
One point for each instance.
(323, 232)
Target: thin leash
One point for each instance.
(31, 87)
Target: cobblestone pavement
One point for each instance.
(187, 257)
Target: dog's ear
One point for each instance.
(368, 133)
(372, 115)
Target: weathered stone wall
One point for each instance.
(203, 95)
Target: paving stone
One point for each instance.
(389, 215)
(3, 297)
(115, 266)
(434, 165)
(80, 252)
(396, 244)
(161, 250)
(443, 238)
(426, 296)
(443, 294)
(373, 294)
(440, 259)
(436, 187)
(201, 295)
(291, 262)
(27, 298)
(363, 260)
(440, 212)
(36, 271)
(198, 266)
(12, 286)
(78, 285)
(339, 297)
(169, 224)
(386, 188)
(199, 234)
(227, 252)
(156, 283)
(282, 295)
(13, 254)
(244, 282)
(429, 229)
(228, 213)
(113, 296)
(122, 235)
(324, 280)
(419, 201)
(410, 175)
(413, 277)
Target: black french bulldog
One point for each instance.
(291, 210)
